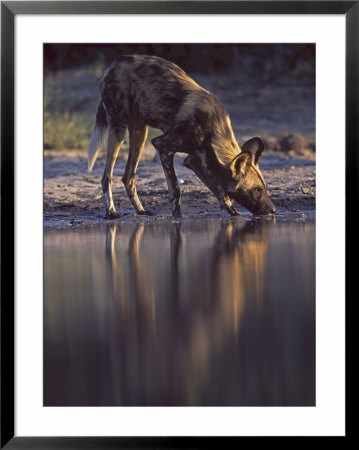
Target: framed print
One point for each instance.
(175, 197)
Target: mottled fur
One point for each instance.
(139, 91)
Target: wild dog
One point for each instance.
(138, 91)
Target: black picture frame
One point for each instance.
(9, 9)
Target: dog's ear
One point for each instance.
(255, 148)
(240, 165)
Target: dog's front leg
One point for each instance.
(172, 183)
(197, 161)
(226, 203)
(164, 145)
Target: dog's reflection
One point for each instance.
(183, 294)
(132, 283)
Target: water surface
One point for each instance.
(195, 313)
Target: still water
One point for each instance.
(193, 313)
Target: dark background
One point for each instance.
(267, 89)
(254, 59)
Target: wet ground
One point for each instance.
(198, 312)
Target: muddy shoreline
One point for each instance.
(73, 197)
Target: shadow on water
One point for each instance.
(198, 313)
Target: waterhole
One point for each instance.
(195, 313)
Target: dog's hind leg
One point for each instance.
(115, 141)
(137, 134)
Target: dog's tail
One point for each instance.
(99, 137)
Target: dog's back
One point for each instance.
(146, 87)
(162, 95)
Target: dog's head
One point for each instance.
(246, 184)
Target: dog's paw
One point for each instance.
(146, 212)
(233, 212)
(110, 215)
